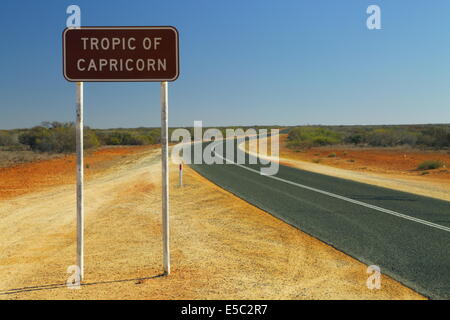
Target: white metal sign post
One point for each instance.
(80, 180)
(128, 54)
(165, 174)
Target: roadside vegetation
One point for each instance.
(430, 165)
(50, 139)
(53, 138)
(306, 137)
(58, 137)
(435, 137)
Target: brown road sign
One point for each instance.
(120, 54)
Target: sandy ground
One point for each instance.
(34, 176)
(389, 168)
(222, 247)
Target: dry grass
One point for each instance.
(222, 247)
(10, 158)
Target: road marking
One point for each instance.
(391, 212)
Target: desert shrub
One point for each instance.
(430, 164)
(57, 137)
(34, 137)
(305, 137)
(332, 155)
(389, 137)
(408, 138)
(435, 137)
(90, 139)
(131, 137)
(355, 137)
(382, 138)
(8, 139)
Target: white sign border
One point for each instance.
(122, 80)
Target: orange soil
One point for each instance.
(389, 161)
(35, 176)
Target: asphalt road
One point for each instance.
(406, 235)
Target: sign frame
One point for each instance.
(177, 40)
(164, 92)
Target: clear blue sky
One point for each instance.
(242, 63)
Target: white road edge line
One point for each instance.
(394, 213)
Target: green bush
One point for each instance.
(382, 138)
(306, 137)
(61, 137)
(8, 139)
(128, 137)
(332, 155)
(90, 139)
(435, 137)
(355, 138)
(430, 164)
(57, 137)
(31, 137)
(428, 136)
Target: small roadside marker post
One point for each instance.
(181, 174)
(80, 179)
